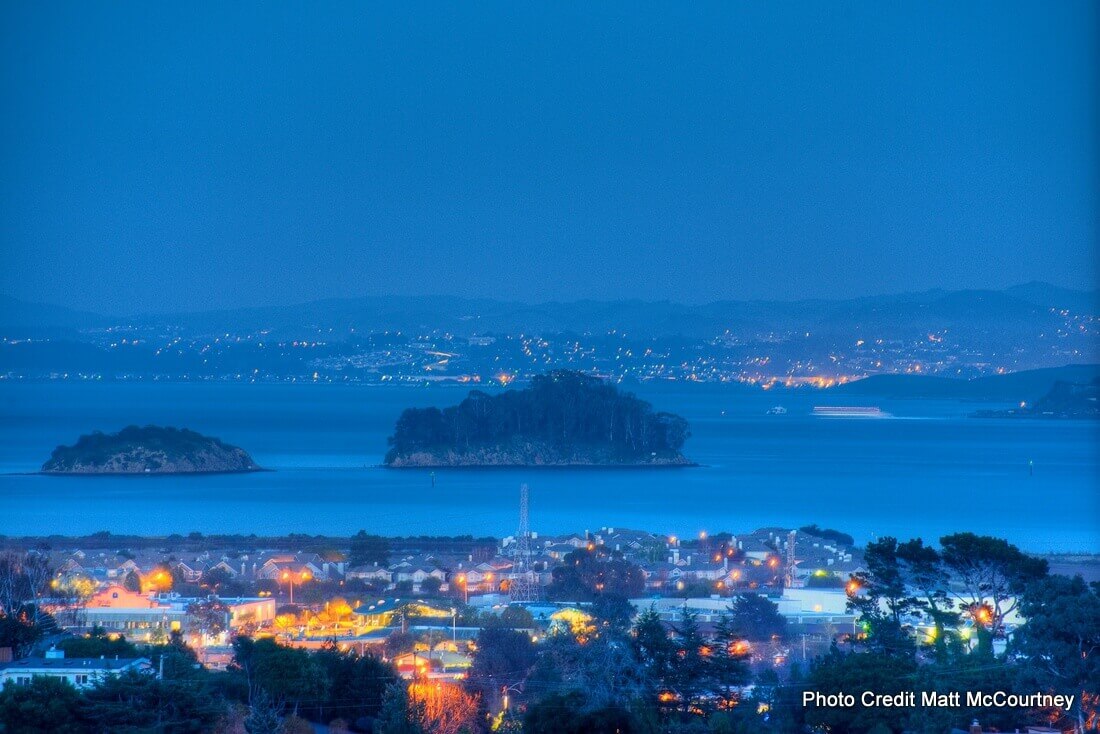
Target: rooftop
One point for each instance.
(97, 664)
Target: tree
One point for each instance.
(612, 612)
(216, 578)
(401, 714)
(97, 644)
(561, 413)
(296, 725)
(1061, 642)
(289, 676)
(43, 705)
(447, 708)
(138, 701)
(357, 684)
(690, 667)
(961, 673)
(990, 570)
(881, 597)
(825, 581)
(781, 701)
(838, 672)
(503, 658)
(368, 550)
(23, 577)
(18, 631)
(729, 658)
(428, 707)
(177, 660)
(585, 574)
(566, 714)
(755, 617)
(834, 535)
(132, 582)
(654, 649)
(398, 643)
(208, 617)
(603, 669)
(517, 617)
(924, 571)
(263, 715)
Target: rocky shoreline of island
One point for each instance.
(529, 455)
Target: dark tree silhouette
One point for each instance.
(561, 416)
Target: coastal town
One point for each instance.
(106, 608)
(550, 368)
(946, 334)
(309, 598)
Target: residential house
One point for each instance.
(79, 672)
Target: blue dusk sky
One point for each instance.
(168, 156)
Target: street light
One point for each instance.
(465, 588)
(289, 578)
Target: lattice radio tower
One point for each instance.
(522, 584)
(789, 576)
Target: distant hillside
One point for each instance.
(148, 450)
(1025, 386)
(1064, 400)
(1050, 296)
(1020, 310)
(427, 338)
(963, 311)
(21, 319)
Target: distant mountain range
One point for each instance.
(1022, 309)
(957, 334)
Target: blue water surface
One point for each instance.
(927, 471)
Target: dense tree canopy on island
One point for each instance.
(148, 450)
(563, 417)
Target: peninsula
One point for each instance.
(1064, 400)
(562, 418)
(148, 450)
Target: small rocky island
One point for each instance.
(148, 450)
(563, 418)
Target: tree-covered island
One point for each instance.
(563, 418)
(148, 450)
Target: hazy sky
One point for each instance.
(156, 157)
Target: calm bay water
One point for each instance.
(927, 471)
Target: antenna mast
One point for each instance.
(790, 560)
(522, 583)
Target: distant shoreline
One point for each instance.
(574, 465)
(139, 473)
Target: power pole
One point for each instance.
(522, 584)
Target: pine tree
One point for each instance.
(729, 659)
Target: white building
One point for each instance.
(80, 672)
